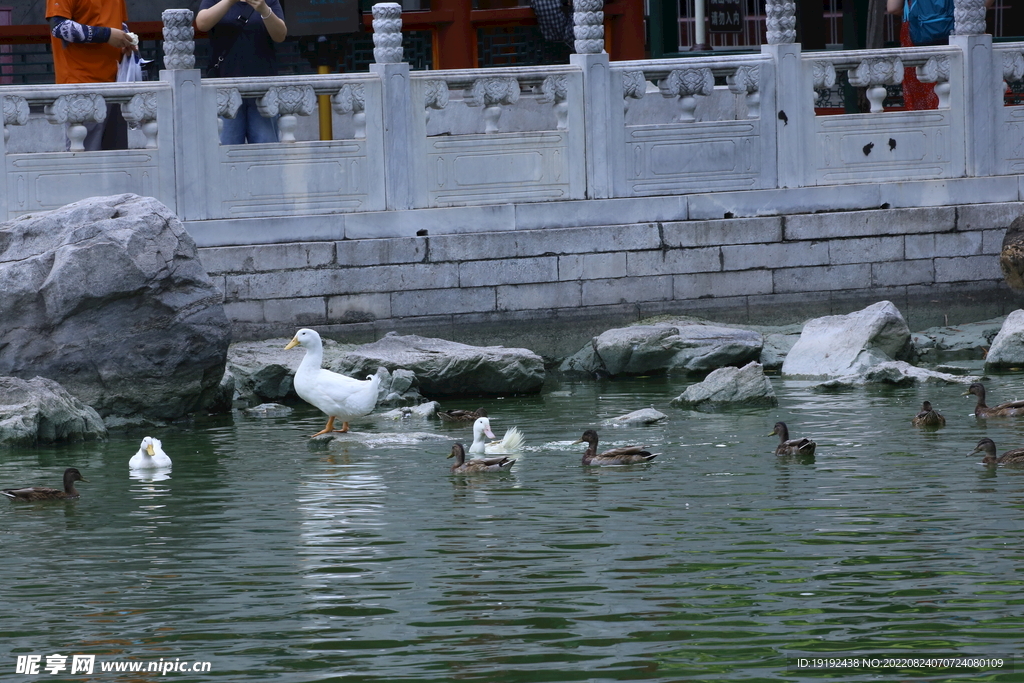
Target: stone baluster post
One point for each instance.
(188, 124)
(399, 183)
(982, 95)
(789, 104)
(16, 113)
(590, 57)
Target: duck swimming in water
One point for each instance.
(463, 466)
(27, 493)
(626, 455)
(788, 446)
(928, 417)
(1008, 409)
(510, 443)
(988, 447)
(461, 415)
(149, 456)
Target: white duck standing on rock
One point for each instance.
(149, 456)
(339, 396)
(510, 443)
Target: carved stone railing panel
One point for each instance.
(436, 96)
(634, 87)
(75, 111)
(588, 26)
(823, 77)
(686, 84)
(1013, 67)
(874, 73)
(16, 113)
(351, 99)
(387, 33)
(936, 70)
(179, 39)
(229, 100)
(491, 93)
(288, 101)
(141, 111)
(555, 91)
(746, 80)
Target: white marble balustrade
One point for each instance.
(590, 129)
(40, 181)
(887, 145)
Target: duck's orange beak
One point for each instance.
(292, 344)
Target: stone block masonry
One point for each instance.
(552, 288)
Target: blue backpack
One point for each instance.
(931, 21)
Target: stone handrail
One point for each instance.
(588, 129)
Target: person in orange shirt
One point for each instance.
(88, 38)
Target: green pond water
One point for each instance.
(368, 561)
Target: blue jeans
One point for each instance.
(248, 126)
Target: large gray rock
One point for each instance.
(746, 386)
(108, 297)
(40, 410)
(1007, 349)
(447, 368)
(666, 346)
(838, 345)
(950, 342)
(899, 373)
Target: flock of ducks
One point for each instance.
(344, 398)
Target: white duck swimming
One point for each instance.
(340, 396)
(510, 443)
(150, 455)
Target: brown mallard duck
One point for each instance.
(627, 455)
(71, 475)
(789, 446)
(462, 466)
(988, 447)
(1008, 409)
(928, 417)
(461, 415)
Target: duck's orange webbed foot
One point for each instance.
(326, 430)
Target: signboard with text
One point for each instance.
(321, 17)
(725, 16)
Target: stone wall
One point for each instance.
(552, 288)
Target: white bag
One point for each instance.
(130, 68)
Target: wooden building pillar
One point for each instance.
(455, 46)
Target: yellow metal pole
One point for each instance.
(324, 101)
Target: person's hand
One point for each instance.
(119, 39)
(260, 6)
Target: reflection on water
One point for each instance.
(368, 561)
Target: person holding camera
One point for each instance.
(242, 37)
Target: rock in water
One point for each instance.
(108, 297)
(1008, 346)
(838, 345)
(40, 410)
(447, 368)
(746, 386)
(690, 347)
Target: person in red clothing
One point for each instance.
(916, 95)
(88, 38)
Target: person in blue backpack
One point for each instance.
(925, 22)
